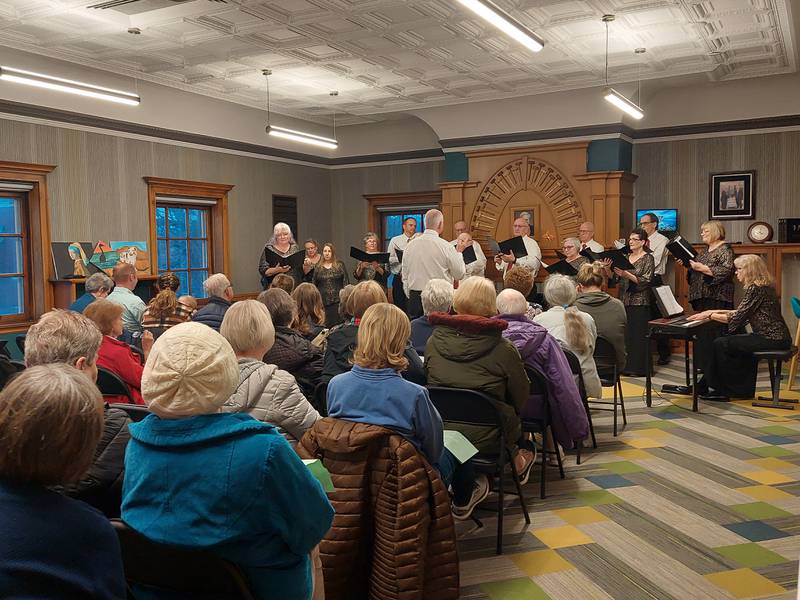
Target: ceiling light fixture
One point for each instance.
(293, 134)
(495, 15)
(613, 96)
(67, 85)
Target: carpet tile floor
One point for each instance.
(678, 506)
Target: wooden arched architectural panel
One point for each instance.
(527, 184)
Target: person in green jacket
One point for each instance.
(467, 350)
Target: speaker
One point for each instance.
(788, 231)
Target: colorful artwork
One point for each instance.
(104, 257)
(133, 253)
(70, 259)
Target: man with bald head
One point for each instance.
(532, 261)
(586, 236)
(478, 267)
(429, 257)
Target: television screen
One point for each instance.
(667, 218)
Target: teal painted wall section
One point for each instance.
(609, 155)
(456, 166)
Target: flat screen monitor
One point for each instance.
(667, 218)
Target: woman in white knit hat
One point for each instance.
(227, 482)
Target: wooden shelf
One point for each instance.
(65, 291)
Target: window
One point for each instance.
(184, 245)
(392, 224)
(14, 270)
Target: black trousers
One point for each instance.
(414, 307)
(731, 369)
(398, 295)
(705, 339)
(662, 343)
(636, 342)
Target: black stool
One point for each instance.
(774, 359)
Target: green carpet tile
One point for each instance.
(679, 505)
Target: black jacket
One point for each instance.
(212, 313)
(101, 487)
(294, 353)
(339, 351)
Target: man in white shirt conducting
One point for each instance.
(399, 242)
(477, 267)
(658, 245)
(586, 237)
(429, 257)
(532, 261)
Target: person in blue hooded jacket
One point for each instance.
(223, 482)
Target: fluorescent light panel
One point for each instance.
(303, 137)
(67, 85)
(504, 22)
(623, 103)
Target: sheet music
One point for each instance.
(666, 301)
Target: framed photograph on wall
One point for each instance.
(732, 195)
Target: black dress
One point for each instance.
(330, 282)
(637, 298)
(731, 369)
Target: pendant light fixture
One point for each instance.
(293, 134)
(612, 95)
(489, 11)
(69, 86)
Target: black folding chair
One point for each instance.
(21, 344)
(575, 368)
(320, 399)
(543, 425)
(136, 412)
(18, 365)
(3, 350)
(110, 384)
(468, 407)
(198, 573)
(605, 358)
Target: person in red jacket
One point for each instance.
(117, 356)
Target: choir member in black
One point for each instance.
(330, 276)
(379, 272)
(636, 297)
(711, 283)
(572, 248)
(310, 261)
(731, 369)
(282, 243)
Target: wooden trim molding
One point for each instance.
(38, 219)
(376, 201)
(219, 238)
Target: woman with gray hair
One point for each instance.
(282, 243)
(97, 287)
(437, 296)
(572, 249)
(376, 271)
(576, 330)
(265, 392)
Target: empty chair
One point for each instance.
(110, 384)
(605, 358)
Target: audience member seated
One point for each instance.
(220, 295)
(342, 341)
(345, 313)
(264, 391)
(51, 418)
(221, 481)
(731, 369)
(97, 286)
(190, 302)
(62, 336)
(542, 351)
(125, 280)
(283, 282)
(521, 279)
(310, 317)
(467, 350)
(608, 313)
(166, 310)
(117, 356)
(291, 351)
(437, 296)
(575, 329)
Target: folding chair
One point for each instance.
(575, 368)
(605, 358)
(110, 384)
(468, 407)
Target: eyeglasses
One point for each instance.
(634, 240)
(645, 222)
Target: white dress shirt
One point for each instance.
(398, 242)
(430, 257)
(479, 266)
(593, 245)
(531, 262)
(658, 244)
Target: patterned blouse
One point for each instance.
(718, 285)
(368, 272)
(639, 294)
(157, 325)
(578, 262)
(762, 309)
(330, 281)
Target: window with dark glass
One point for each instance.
(183, 234)
(14, 277)
(392, 224)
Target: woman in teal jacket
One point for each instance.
(223, 482)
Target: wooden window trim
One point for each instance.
(408, 200)
(39, 292)
(25, 316)
(218, 228)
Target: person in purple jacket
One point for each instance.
(542, 351)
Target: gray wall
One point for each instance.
(97, 190)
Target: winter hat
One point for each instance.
(191, 370)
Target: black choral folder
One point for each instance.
(378, 257)
(618, 257)
(681, 250)
(562, 267)
(515, 245)
(469, 254)
(293, 260)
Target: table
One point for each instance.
(686, 332)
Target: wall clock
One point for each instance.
(759, 232)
